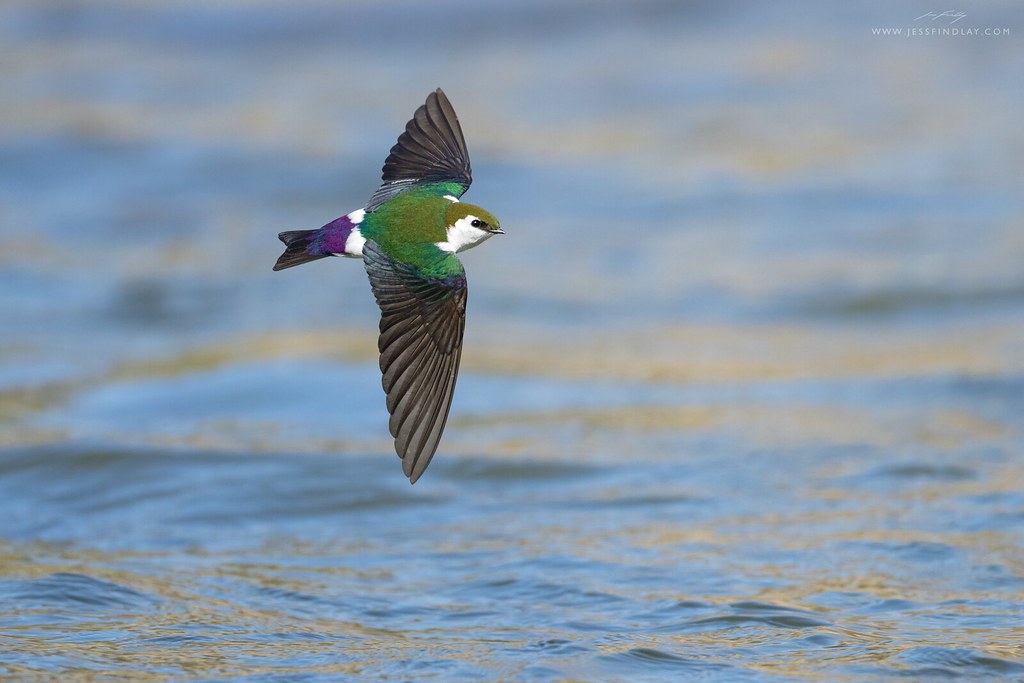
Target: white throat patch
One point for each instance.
(463, 235)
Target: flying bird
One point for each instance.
(407, 235)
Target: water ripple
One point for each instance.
(952, 662)
(64, 595)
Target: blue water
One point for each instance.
(741, 389)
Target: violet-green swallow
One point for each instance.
(408, 235)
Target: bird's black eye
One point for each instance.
(477, 223)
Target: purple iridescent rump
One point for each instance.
(331, 238)
(303, 246)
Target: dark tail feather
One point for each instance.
(297, 243)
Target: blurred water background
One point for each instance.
(742, 386)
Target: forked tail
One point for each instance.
(299, 248)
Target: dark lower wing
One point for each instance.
(421, 327)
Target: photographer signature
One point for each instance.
(952, 14)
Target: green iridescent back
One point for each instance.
(408, 226)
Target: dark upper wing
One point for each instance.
(421, 326)
(431, 150)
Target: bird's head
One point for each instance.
(468, 226)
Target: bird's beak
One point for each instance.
(497, 231)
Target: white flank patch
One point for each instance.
(354, 243)
(462, 236)
(452, 198)
(355, 240)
